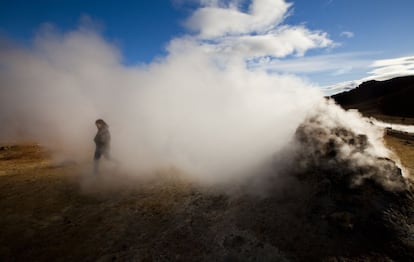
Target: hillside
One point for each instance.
(393, 98)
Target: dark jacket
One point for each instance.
(103, 138)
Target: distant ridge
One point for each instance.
(393, 97)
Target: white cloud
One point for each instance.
(279, 43)
(259, 31)
(405, 61)
(347, 34)
(343, 70)
(333, 63)
(382, 70)
(215, 20)
(388, 68)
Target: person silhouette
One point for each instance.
(102, 141)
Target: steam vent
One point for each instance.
(339, 200)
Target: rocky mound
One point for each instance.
(336, 200)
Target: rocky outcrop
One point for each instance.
(338, 200)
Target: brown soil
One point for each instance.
(61, 212)
(403, 146)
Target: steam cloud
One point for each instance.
(193, 109)
(182, 111)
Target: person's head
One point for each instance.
(100, 124)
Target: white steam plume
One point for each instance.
(183, 111)
(192, 110)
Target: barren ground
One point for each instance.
(53, 212)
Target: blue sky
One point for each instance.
(352, 39)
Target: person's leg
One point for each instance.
(107, 155)
(96, 158)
